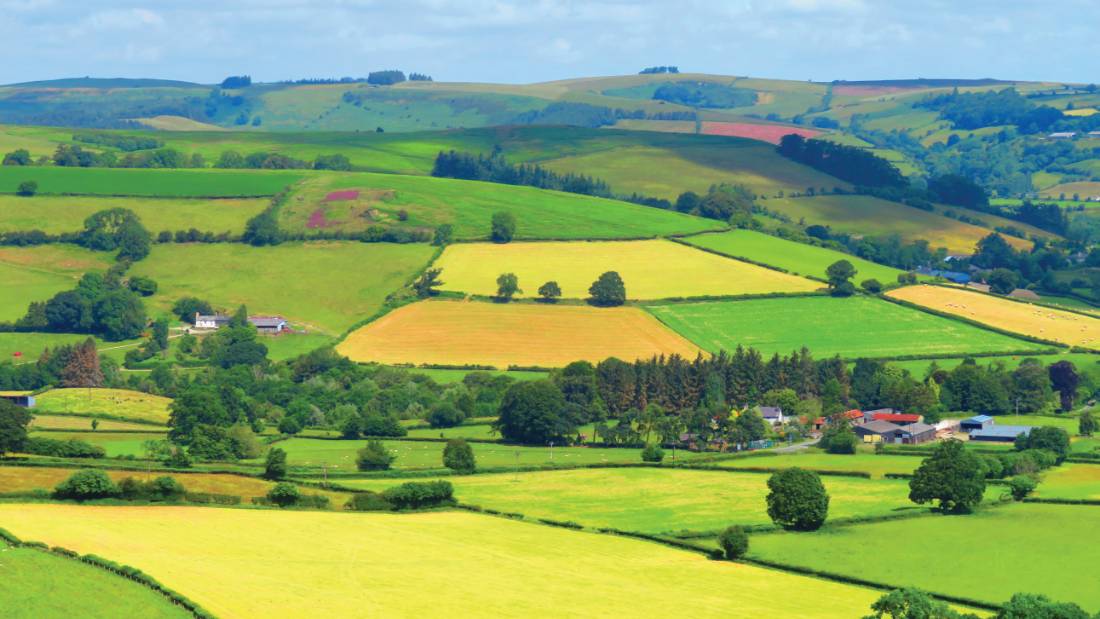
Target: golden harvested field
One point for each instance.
(1034, 320)
(25, 478)
(235, 563)
(113, 402)
(461, 332)
(655, 269)
(67, 422)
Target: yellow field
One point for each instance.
(65, 422)
(236, 563)
(1034, 320)
(459, 332)
(655, 269)
(114, 402)
(26, 478)
(1083, 111)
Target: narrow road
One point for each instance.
(796, 447)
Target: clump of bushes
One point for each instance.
(459, 456)
(653, 453)
(86, 485)
(419, 495)
(374, 457)
(368, 502)
(285, 494)
(71, 448)
(162, 488)
(734, 542)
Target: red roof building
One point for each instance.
(853, 416)
(898, 418)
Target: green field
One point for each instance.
(876, 465)
(850, 327)
(119, 403)
(117, 445)
(140, 182)
(1071, 481)
(1085, 363)
(314, 453)
(469, 206)
(39, 585)
(658, 500)
(455, 376)
(992, 554)
(58, 214)
(481, 431)
(797, 258)
(75, 423)
(288, 346)
(31, 345)
(324, 286)
(37, 273)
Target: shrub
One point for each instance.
(1046, 437)
(368, 502)
(445, 415)
(284, 494)
(144, 286)
(289, 425)
(839, 438)
(797, 500)
(734, 542)
(503, 227)
(178, 459)
(86, 484)
(374, 457)
(418, 495)
(275, 464)
(27, 189)
(162, 488)
(1021, 486)
(653, 453)
(459, 456)
(871, 285)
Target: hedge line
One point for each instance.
(1054, 501)
(71, 430)
(100, 416)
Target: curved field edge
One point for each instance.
(493, 566)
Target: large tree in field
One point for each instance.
(952, 476)
(1064, 377)
(534, 413)
(797, 500)
(608, 290)
(840, 274)
(13, 426)
(503, 227)
(507, 286)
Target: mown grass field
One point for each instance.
(423, 455)
(72, 422)
(992, 554)
(132, 405)
(1071, 481)
(483, 431)
(658, 500)
(874, 217)
(500, 335)
(37, 273)
(140, 182)
(38, 585)
(290, 345)
(58, 214)
(325, 286)
(492, 566)
(657, 269)
(31, 345)
(797, 258)
(115, 444)
(1034, 320)
(455, 376)
(850, 327)
(428, 202)
(876, 465)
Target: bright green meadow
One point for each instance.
(145, 182)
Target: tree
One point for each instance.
(445, 415)
(734, 542)
(951, 475)
(550, 291)
(13, 426)
(262, 229)
(839, 438)
(119, 315)
(444, 235)
(86, 484)
(284, 494)
(27, 189)
(1086, 425)
(459, 456)
(653, 453)
(534, 413)
(1065, 379)
(1022, 485)
(425, 285)
(374, 457)
(839, 273)
(507, 286)
(134, 241)
(1050, 438)
(911, 604)
(871, 285)
(1002, 281)
(1030, 606)
(503, 227)
(19, 156)
(195, 406)
(797, 500)
(275, 464)
(83, 370)
(608, 290)
(186, 308)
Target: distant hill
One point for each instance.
(103, 82)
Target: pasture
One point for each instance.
(794, 257)
(37, 273)
(1049, 552)
(72, 422)
(118, 403)
(39, 585)
(427, 202)
(492, 566)
(659, 500)
(1025, 318)
(115, 444)
(58, 214)
(500, 335)
(871, 216)
(1071, 481)
(850, 327)
(481, 431)
(206, 183)
(444, 377)
(877, 465)
(324, 286)
(655, 269)
(30, 345)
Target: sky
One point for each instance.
(539, 40)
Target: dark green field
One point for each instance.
(140, 182)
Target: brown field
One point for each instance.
(1034, 320)
(26, 478)
(459, 332)
(1084, 189)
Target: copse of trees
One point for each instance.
(385, 78)
(849, 163)
(493, 168)
(123, 142)
(974, 110)
(535, 413)
(18, 157)
(724, 202)
(13, 426)
(236, 81)
(98, 305)
(660, 69)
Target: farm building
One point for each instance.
(25, 400)
(878, 432)
(771, 414)
(916, 433)
(264, 324)
(214, 321)
(898, 418)
(852, 416)
(999, 434)
(977, 422)
(1062, 135)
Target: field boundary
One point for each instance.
(708, 250)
